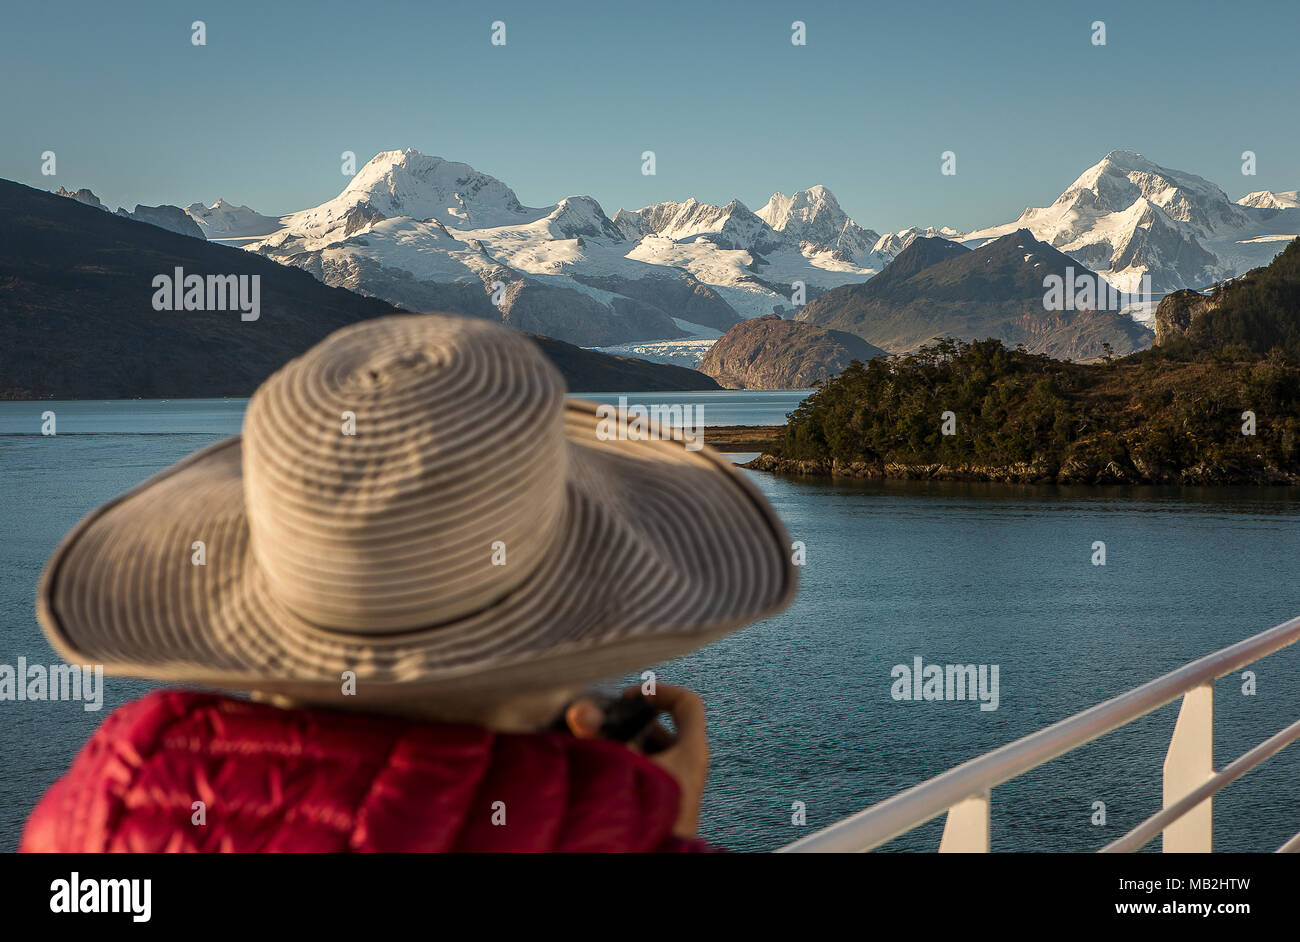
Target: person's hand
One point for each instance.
(687, 759)
(685, 756)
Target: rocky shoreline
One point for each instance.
(1038, 472)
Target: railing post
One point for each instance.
(966, 831)
(1188, 764)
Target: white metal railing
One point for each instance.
(1189, 777)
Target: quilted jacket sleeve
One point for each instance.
(181, 771)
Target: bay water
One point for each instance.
(805, 724)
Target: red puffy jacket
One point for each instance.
(316, 780)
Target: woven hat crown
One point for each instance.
(405, 472)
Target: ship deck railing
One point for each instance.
(1186, 819)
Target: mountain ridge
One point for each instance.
(408, 222)
(1127, 218)
(78, 298)
(998, 290)
(417, 230)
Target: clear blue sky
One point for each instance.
(731, 108)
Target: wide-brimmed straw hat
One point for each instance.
(415, 500)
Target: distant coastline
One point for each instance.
(1038, 473)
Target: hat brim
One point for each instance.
(661, 550)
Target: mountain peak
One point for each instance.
(814, 215)
(1123, 176)
(576, 216)
(389, 158)
(227, 221)
(1020, 237)
(1267, 199)
(1117, 211)
(805, 206)
(732, 226)
(921, 252)
(1127, 159)
(407, 183)
(83, 195)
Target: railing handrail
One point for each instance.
(915, 806)
(1148, 829)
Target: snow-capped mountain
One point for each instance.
(423, 232)
(409, 184)
(1127, 217)
(224, 221)
(428, 234)
(749, 262)
(814, 216)
(1267, 199)
(730, 227)
(891, 243)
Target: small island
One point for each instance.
(769, 352)
(1215, 401)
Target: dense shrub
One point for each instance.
(1152, 420)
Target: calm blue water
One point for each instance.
(223, 416)
(800, 705)
(721, 407)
